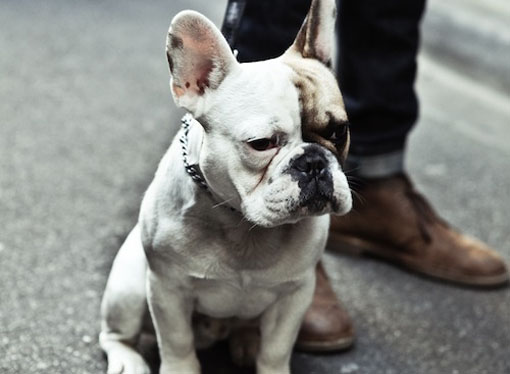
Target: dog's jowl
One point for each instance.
(237, 216)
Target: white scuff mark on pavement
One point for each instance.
(435, 170)
(86, 339)
(349, 368)
(2, 247)
(42, 365)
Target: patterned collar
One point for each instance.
(193, 170)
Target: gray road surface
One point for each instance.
(85, 115)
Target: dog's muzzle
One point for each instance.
(312, 173)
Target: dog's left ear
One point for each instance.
(316, 37)
(199, 58)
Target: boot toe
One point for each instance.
(326, 326)
(327, 329)
(484, 265)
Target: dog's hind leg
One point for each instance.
(123, 308)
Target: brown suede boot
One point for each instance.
(327, 326)
(394, 222)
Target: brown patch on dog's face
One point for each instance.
(323, 116)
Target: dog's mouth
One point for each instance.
(308, 183)
(315, 199)
(316, 196)
(312, 172)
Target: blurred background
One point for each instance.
(86, 114)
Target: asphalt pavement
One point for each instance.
(86, 114)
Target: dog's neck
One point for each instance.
(190, 160)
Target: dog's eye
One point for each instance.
(263, 144)
(339, 133)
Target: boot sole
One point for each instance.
(358, 247)
(341, 344)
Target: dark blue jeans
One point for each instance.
(377, 47)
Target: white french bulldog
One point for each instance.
(236, 217)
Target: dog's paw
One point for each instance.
(126, 361)
(244, 346)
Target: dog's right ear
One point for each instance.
(199, 58)
(316, 37)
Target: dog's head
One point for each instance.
(259, 119)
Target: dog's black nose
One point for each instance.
(312, 173)
(311, 163)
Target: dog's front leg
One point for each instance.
(171, 308)
(279, 328)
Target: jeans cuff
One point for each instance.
(379, 166)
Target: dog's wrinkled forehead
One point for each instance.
(323, 115)
(259, 95)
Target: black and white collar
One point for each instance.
(193, 169)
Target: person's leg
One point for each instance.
(267, 29)
(378, 44)
(377, 68)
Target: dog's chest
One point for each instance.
(244, 296)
